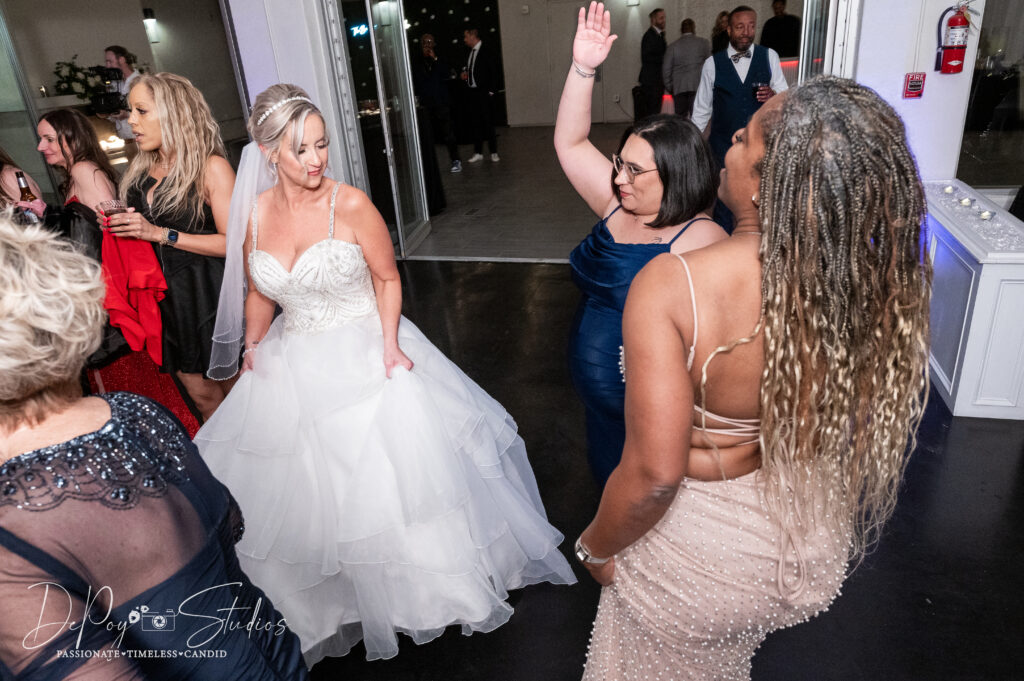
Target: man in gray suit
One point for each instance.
(681, 68)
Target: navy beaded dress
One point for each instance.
(603, 269)
(117, 561)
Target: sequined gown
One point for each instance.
(373, 506)
(128, 520)
(694, 597)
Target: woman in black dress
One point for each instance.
(178, 190)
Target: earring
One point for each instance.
(753, 199)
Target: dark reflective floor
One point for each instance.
(939, 599)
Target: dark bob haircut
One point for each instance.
(688, 171)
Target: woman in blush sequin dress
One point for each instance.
(653, 196)
(765, 441)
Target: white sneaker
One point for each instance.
(495, 158)
(476, 158)
(456, 166)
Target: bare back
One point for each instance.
(726, 299)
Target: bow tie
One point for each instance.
(740, 55)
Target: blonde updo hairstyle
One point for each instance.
(51, 320)
(277, 111)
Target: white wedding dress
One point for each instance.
(372, 506)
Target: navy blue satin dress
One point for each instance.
(604, 269)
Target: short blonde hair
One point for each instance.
(51, 319)
(277, 110)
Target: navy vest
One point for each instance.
(734, 102)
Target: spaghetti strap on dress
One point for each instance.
(603, 269)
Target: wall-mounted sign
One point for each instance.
(913, 86)
(361, 29)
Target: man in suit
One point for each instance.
(430, 77)
(652, 52)
(681, 68)
(726, 98)
(782, 32)
(483, 78)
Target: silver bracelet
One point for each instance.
(582, 72)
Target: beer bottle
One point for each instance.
(26, 193)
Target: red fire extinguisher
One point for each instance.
(952, 49)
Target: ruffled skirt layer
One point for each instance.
(377, 505)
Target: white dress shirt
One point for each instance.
(124, 131)
(471, 65)
(705, 91)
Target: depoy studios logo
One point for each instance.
(198, 620)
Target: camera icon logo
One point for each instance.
(152, 621)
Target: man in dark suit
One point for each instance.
(652, 52)
(782, 32)
(681, 70)
(483, 78)
(430, 77)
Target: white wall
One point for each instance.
(286, 41)
(192, 43)
(537, 49)
(45, 33)
(887, 51)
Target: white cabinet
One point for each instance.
(977, 310)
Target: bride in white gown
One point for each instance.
(383, 490)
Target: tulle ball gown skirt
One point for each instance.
(376, 506)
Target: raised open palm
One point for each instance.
(593, 38)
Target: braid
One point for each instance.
(846, 287)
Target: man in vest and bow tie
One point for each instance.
(734, 83)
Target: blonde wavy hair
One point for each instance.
(51, 320)
(846, 286)
(190, 135)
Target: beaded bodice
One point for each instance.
(136, 453)
(329, 283)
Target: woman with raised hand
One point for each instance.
(766, 438)
(653, 196)
(178, 190)
(384, 491)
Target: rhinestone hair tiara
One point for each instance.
(263, 116)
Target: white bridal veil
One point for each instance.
(253, 177)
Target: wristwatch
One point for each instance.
(583, 554)
(170, 237)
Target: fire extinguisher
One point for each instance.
(952, 48)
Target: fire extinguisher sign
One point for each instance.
(913, 86)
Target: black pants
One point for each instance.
(650, 95)
(684, 102)
(482, 120)
(441, 125)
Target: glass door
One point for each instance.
(17, 117)
(398, 114)
(380, 77)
